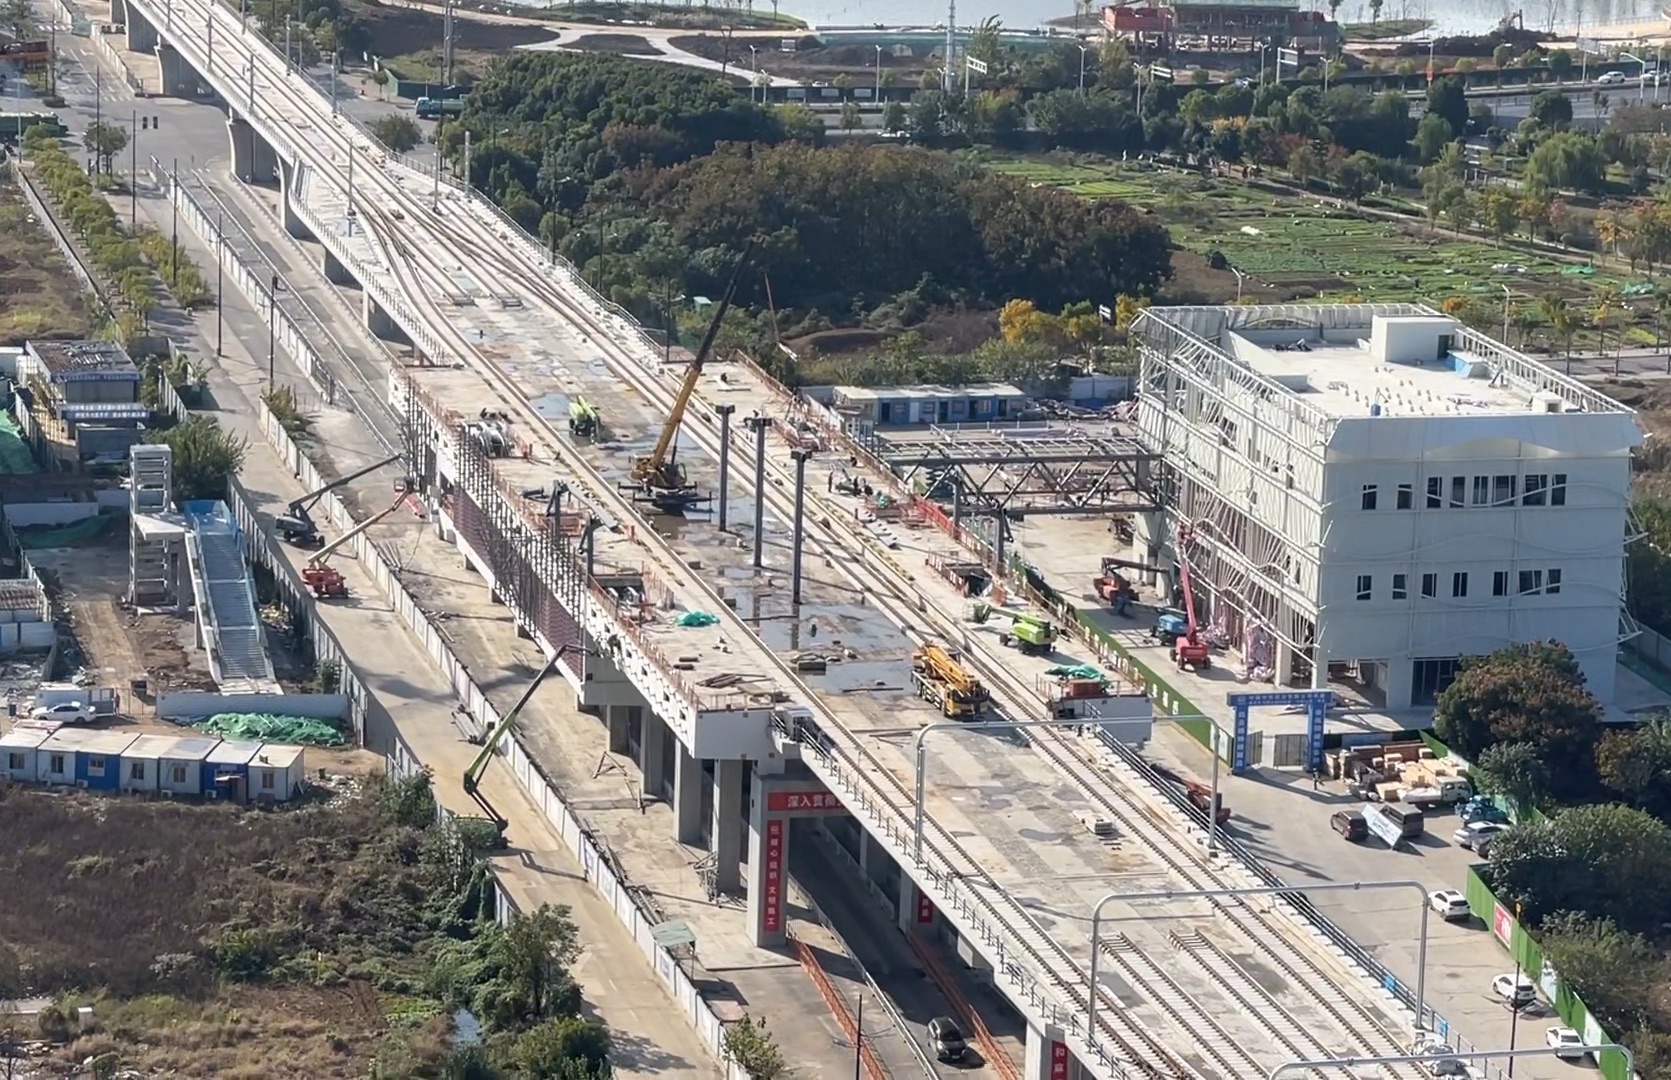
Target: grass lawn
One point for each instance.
(40, 297)
(1300, 247)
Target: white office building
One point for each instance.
(1368, 492)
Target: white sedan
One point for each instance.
(1470, 836)
(1450, 904)
(1517, 990)
(65, 712)
(1610, 78)
(1565, 1042)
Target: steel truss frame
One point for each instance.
(1055, 471)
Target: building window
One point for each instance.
(1558, 490)
(1459, 492)
(55, 764)
(1435, 492)
(1482, 490)
(136, 770)
(14, 762)
(1400, 587)
(1430, 678)
(1366, 586)
(267, 779)
(1554, 579)
(1406, 496)
(1459, 583)
(1502, 490)
(1430, 585)
(95, 766)
(1534, 492)
(1531, 581)
(177, 774)
(1500, 583)
(1369, 495)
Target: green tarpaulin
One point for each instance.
(697, 618)
(1077, 671)
(265, 727)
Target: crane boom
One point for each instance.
(296, 523)
(655, 469)
(324, 553)
(473, 773)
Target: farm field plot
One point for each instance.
(1305, 247)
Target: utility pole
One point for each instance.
(133, 172)
(220, 279)
(469, 183)
(98, 116)
(447, 44)
(174, 227)
(951, 42)
(272, 322)
(859, 1038)
(334, 87)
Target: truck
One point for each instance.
(14, 124)
(1446, 791)
(941, 679)
(429, 108)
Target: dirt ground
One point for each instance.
(398, 31)
(39, 295)
(1652, 402)
(87, 583)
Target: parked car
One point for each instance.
(1611, 78)
(1564, 1041)
(947, 1039)
(1350, 825)
(1450, 904)
(1481, 808)
(65, 712)
(1471, 836)
(1518, 990)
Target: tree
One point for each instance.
(562, 1048)
(106, 141)
(1433, 134)
(1515, 771)
(398, 132)
(1637, 765)
(1447, 98)
(1605, 966)
(1552, 109)
(851, 120)
(1356, 175)
(1567, 160)
(1503, 55)
(18, 18)
(1499, 211)
(749, 1043)
(1303, 164)
(535, 952)
(1607, 862)
(206, 456)
(1375, 10)
(893, 116)
(1532, 693)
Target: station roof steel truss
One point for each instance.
(1056, 471)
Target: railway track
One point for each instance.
(1154, 983)
(1133, 1049)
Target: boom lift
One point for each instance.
(942, 680)
(296, 524)
(1182, 631)
(473, 774)
(1029, 633)
(659, 478)
(324, 579)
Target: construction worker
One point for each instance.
(1122, 600)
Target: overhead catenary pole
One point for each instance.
(758, 424)
(174, 222)
(724, 412)
(798, 533)
(272, 325)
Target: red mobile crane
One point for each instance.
(1190, 650)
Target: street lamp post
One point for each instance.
(1508, 298)
(878, 75)
(272, 323)
(220, 276)
(1241, 278)
(754, 70)
(1083, 52)
(920, 753)
(1263, 890)
(1454, 1055)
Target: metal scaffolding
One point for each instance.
(1030, 470)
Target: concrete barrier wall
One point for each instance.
(50, 513)
(114, 55)
(195, 704)
(480, 715)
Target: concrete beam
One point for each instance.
(293, 223)
(1047, 1057)
(652, 755)
(768, 871)
(383, 327)
(616, 716)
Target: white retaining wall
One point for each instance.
(370, 718)
(194, 704)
